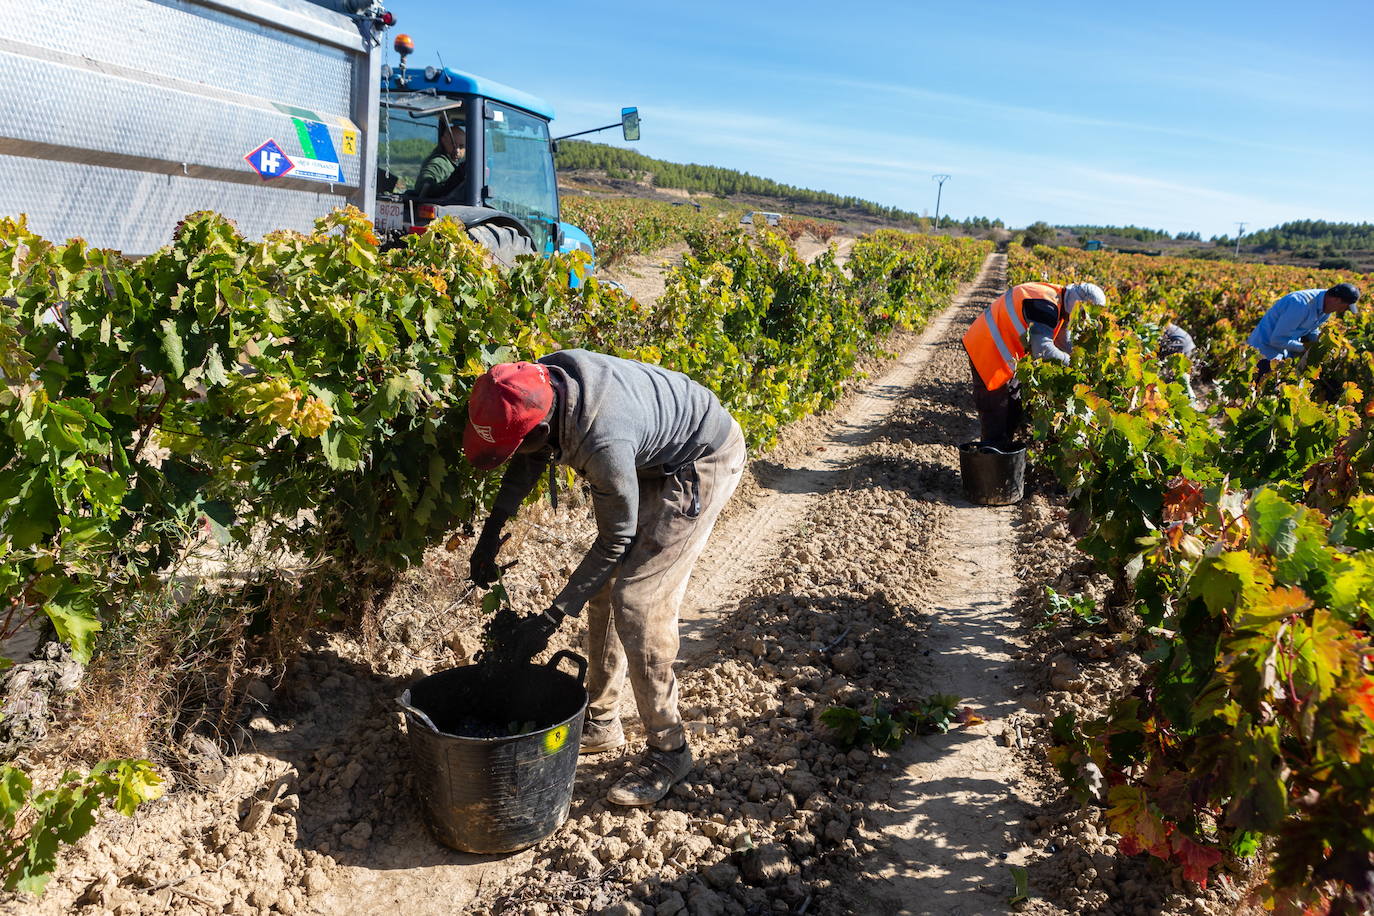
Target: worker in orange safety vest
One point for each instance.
(1031, 317)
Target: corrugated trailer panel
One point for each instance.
(118, 117)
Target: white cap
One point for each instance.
(1075, 293)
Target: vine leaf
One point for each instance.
(1195, 858)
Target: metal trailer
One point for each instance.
(119, 117)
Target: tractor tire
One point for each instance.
(504, 242)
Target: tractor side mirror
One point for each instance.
(629, 123)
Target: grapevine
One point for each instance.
(306, 393)
(1241, 520)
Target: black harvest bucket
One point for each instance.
(496, 794)
(991, 476)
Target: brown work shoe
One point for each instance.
(652, 777)
(601, 736)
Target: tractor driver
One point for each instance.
(441, 174)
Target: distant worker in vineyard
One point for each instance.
(1173, 340)
(440, 173)
(1292, 323)
(1031, 317)
(662, 457)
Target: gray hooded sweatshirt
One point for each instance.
(616, 421)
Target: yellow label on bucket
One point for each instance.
(555, 738)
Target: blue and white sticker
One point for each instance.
(316, 170)
(270, 161)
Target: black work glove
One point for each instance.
(482, 567)
(527, 638)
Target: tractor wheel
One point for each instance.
(504, 242)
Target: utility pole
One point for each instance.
(938, 191)
(1240, 230)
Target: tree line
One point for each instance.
(1298, 235)
(1134, 233)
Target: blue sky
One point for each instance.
(1182, 116)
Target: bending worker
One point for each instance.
(1031, 316)
(662, 457)
(1292, 323)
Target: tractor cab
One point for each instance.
(455, 144)
(487, 143)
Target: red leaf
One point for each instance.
(1195, 859)
(1365, 697)
(1182, 500)
(1140, 827)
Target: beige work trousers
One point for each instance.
(632, 623)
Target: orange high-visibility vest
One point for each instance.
(993, 341)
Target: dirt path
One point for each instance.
(743, 546)
(963, 795)
(952, 818)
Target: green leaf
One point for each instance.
(138, 783)
(214, 368)
(493, 600)
(64, 425)
(1246, 843)
(73, 616)
(1294, 535)
(172, 347)
(220, 515)
(342, 446)
(1222, 581)
(14, 792)
(1020, 879)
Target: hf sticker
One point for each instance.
(555, 738)
(270, 161)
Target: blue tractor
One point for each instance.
(454, 144)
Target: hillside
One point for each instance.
(1306, 243)
(598, 169)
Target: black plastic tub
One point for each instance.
(992, 477)
(505, 792)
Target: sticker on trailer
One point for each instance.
(315, 139)
(319, 162)
(270, 161)
(350, 136)
(316, 170)
(294, 112)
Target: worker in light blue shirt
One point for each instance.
(1293, 322)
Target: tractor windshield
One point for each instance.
(410, 129)
(520, 176)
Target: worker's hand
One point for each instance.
(482, 567)
(528, 637)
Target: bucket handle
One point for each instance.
(403, 701)
(576, 659)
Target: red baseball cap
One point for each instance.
(508, 401)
